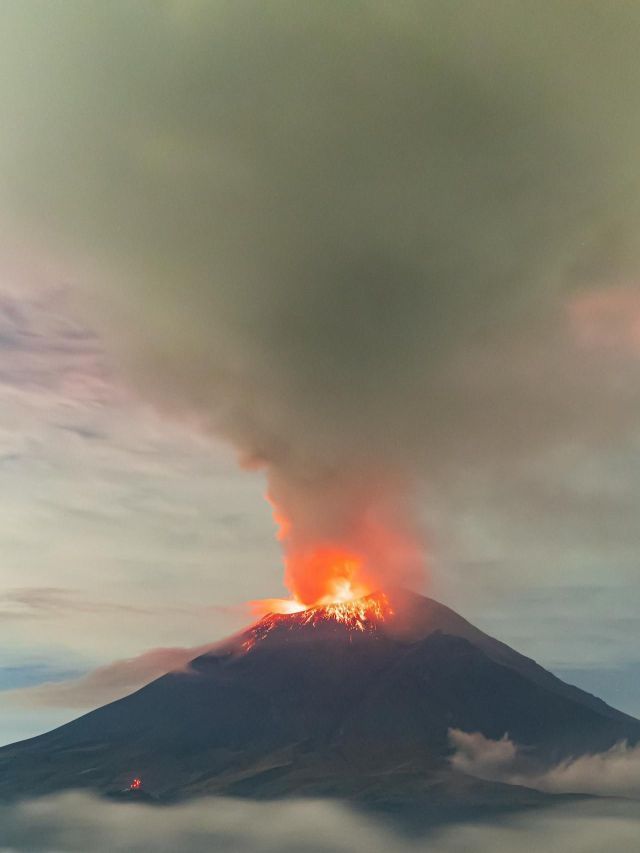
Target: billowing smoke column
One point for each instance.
(346, 537)
(313, 222)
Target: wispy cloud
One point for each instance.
(105, 683)
(615, 773)
(35, 602)
(117, 526)
(16, 675)
(45, 351)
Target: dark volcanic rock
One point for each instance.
(319, 709)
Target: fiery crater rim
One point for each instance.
(362, 615)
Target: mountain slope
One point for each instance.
(306, 703)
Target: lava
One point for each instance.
(359, 615)
(340, 576)
(318, 571)
(342, 593)
(332, 578)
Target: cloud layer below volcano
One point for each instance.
(77, 822)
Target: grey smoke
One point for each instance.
(341, 235)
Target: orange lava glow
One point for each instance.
(337, 572)
(318, 574)
(361, 615)
(338, 568)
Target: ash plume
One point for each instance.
(340, 236)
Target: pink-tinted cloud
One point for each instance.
(607, 318)
(106, 683)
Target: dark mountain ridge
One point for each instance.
(309, 705)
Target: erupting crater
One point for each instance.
(353, 614)
(348, 699)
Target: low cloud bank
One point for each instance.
(615, 773)
(78, 822)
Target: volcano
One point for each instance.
(353, 701)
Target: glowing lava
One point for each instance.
(343, 595)
(318, 571)
(333, 580)
(359, 615)
(342, 592)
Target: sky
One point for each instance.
(380, 262)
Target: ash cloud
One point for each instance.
(343, 237)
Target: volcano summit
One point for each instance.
(353, 700)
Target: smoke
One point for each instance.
(307, 226)
(77, 822)
(615, 773)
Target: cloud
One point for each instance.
(47, 354)
(106, 683)
(480, 756)
(608, 318)
(34, 602)
(343, 238)
(77, 822)
(615, 773)
(118, 525)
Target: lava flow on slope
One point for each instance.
(357, 614)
